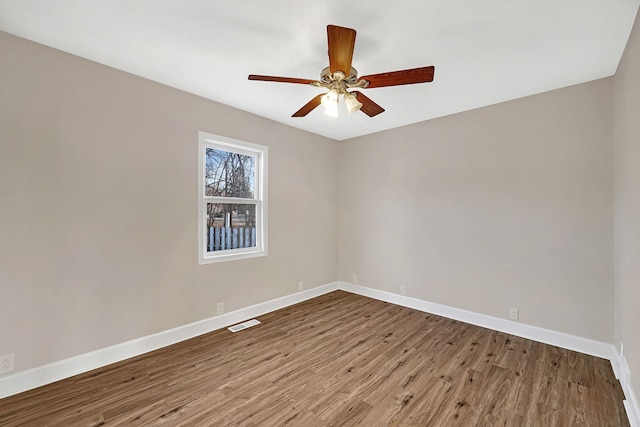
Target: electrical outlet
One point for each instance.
(300, 286)
(6, 363)
(355, 279)
(403, 290)
(220, 308)
(513, 313)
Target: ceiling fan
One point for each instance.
(340, 76)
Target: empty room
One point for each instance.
(413, 213)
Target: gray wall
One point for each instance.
(505, 206)
(98, 207)
(627, 202)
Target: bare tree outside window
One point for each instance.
(232, 175)
(229, 174)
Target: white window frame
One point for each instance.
(260, 152)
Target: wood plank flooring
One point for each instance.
(337, 360)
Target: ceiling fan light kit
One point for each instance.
(330, 103)
(352, 103)
(341, 43)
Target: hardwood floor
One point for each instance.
(339, 359)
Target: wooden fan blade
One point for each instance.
(402, 77)
(369, 107)
(308, 107)
(280, 79)
(341, 42)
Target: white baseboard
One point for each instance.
(631, 402)
(560, 339)
(631, 406)
(36, 377)
(41, 375)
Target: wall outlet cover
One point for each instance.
(6, 363)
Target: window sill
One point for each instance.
(231, 256)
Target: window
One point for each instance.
(232, 196)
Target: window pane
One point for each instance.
(229, 174)
(230, 226)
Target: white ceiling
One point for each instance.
(484, 52)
